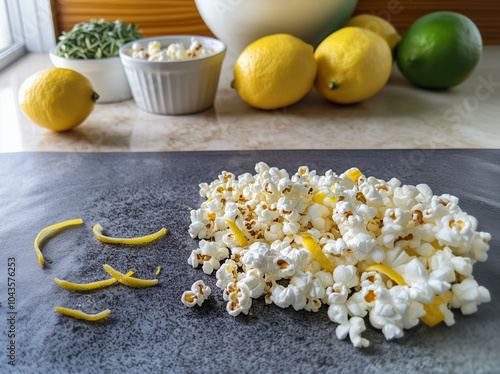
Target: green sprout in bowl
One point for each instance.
(96, 39)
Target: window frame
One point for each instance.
(32, 29)
(16, 49)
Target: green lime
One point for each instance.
(439, 50)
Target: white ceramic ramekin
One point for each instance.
(106, 75)
(174, 87)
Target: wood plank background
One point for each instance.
(164, 17)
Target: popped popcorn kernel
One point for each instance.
(173, 52)
(237, 295)
(368, 249)
(354, 327)
(197, 295)
(353, 174)
(153, 47)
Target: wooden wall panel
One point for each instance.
(163, 17)
(402, 13)
(154, 17)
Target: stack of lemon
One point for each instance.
(349, 66)
(354, 63)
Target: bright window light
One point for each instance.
(5, 33)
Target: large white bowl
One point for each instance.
(240, 22)
(106, 75)
(174, 87)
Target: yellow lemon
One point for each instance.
(275, 71)
(353, 65)
(378, 25)
(57, 99)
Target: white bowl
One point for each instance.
(240, 22)
(106, 75)
(174, 87)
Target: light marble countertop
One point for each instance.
(398, 117)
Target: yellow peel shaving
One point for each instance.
(87, 286)
(354, 175)
(318, 254)
(138, 240)
(157, 270)
(434, 315)
(321, 196)
(48, 230)
(81, 315)
(387, 271)
(129, 281)
(237, 233)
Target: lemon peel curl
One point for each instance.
(81, 315)
(49, 230)
(70, 286)
(129, 281)
(97, 229)
(317, 252)
(237, 233)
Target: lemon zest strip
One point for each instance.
(317, 252)
(87, 286)
(387, 271)
(81, 315)
(321, 196)
(129, 281)
(354, 175)
(237, 233)
(157, 270)
(434, 315)
(97, 229)
(42, 234)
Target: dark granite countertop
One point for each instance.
(150, 330)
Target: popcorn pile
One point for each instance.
(174, 52)
(361, 245)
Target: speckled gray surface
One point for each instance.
(149, 329)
